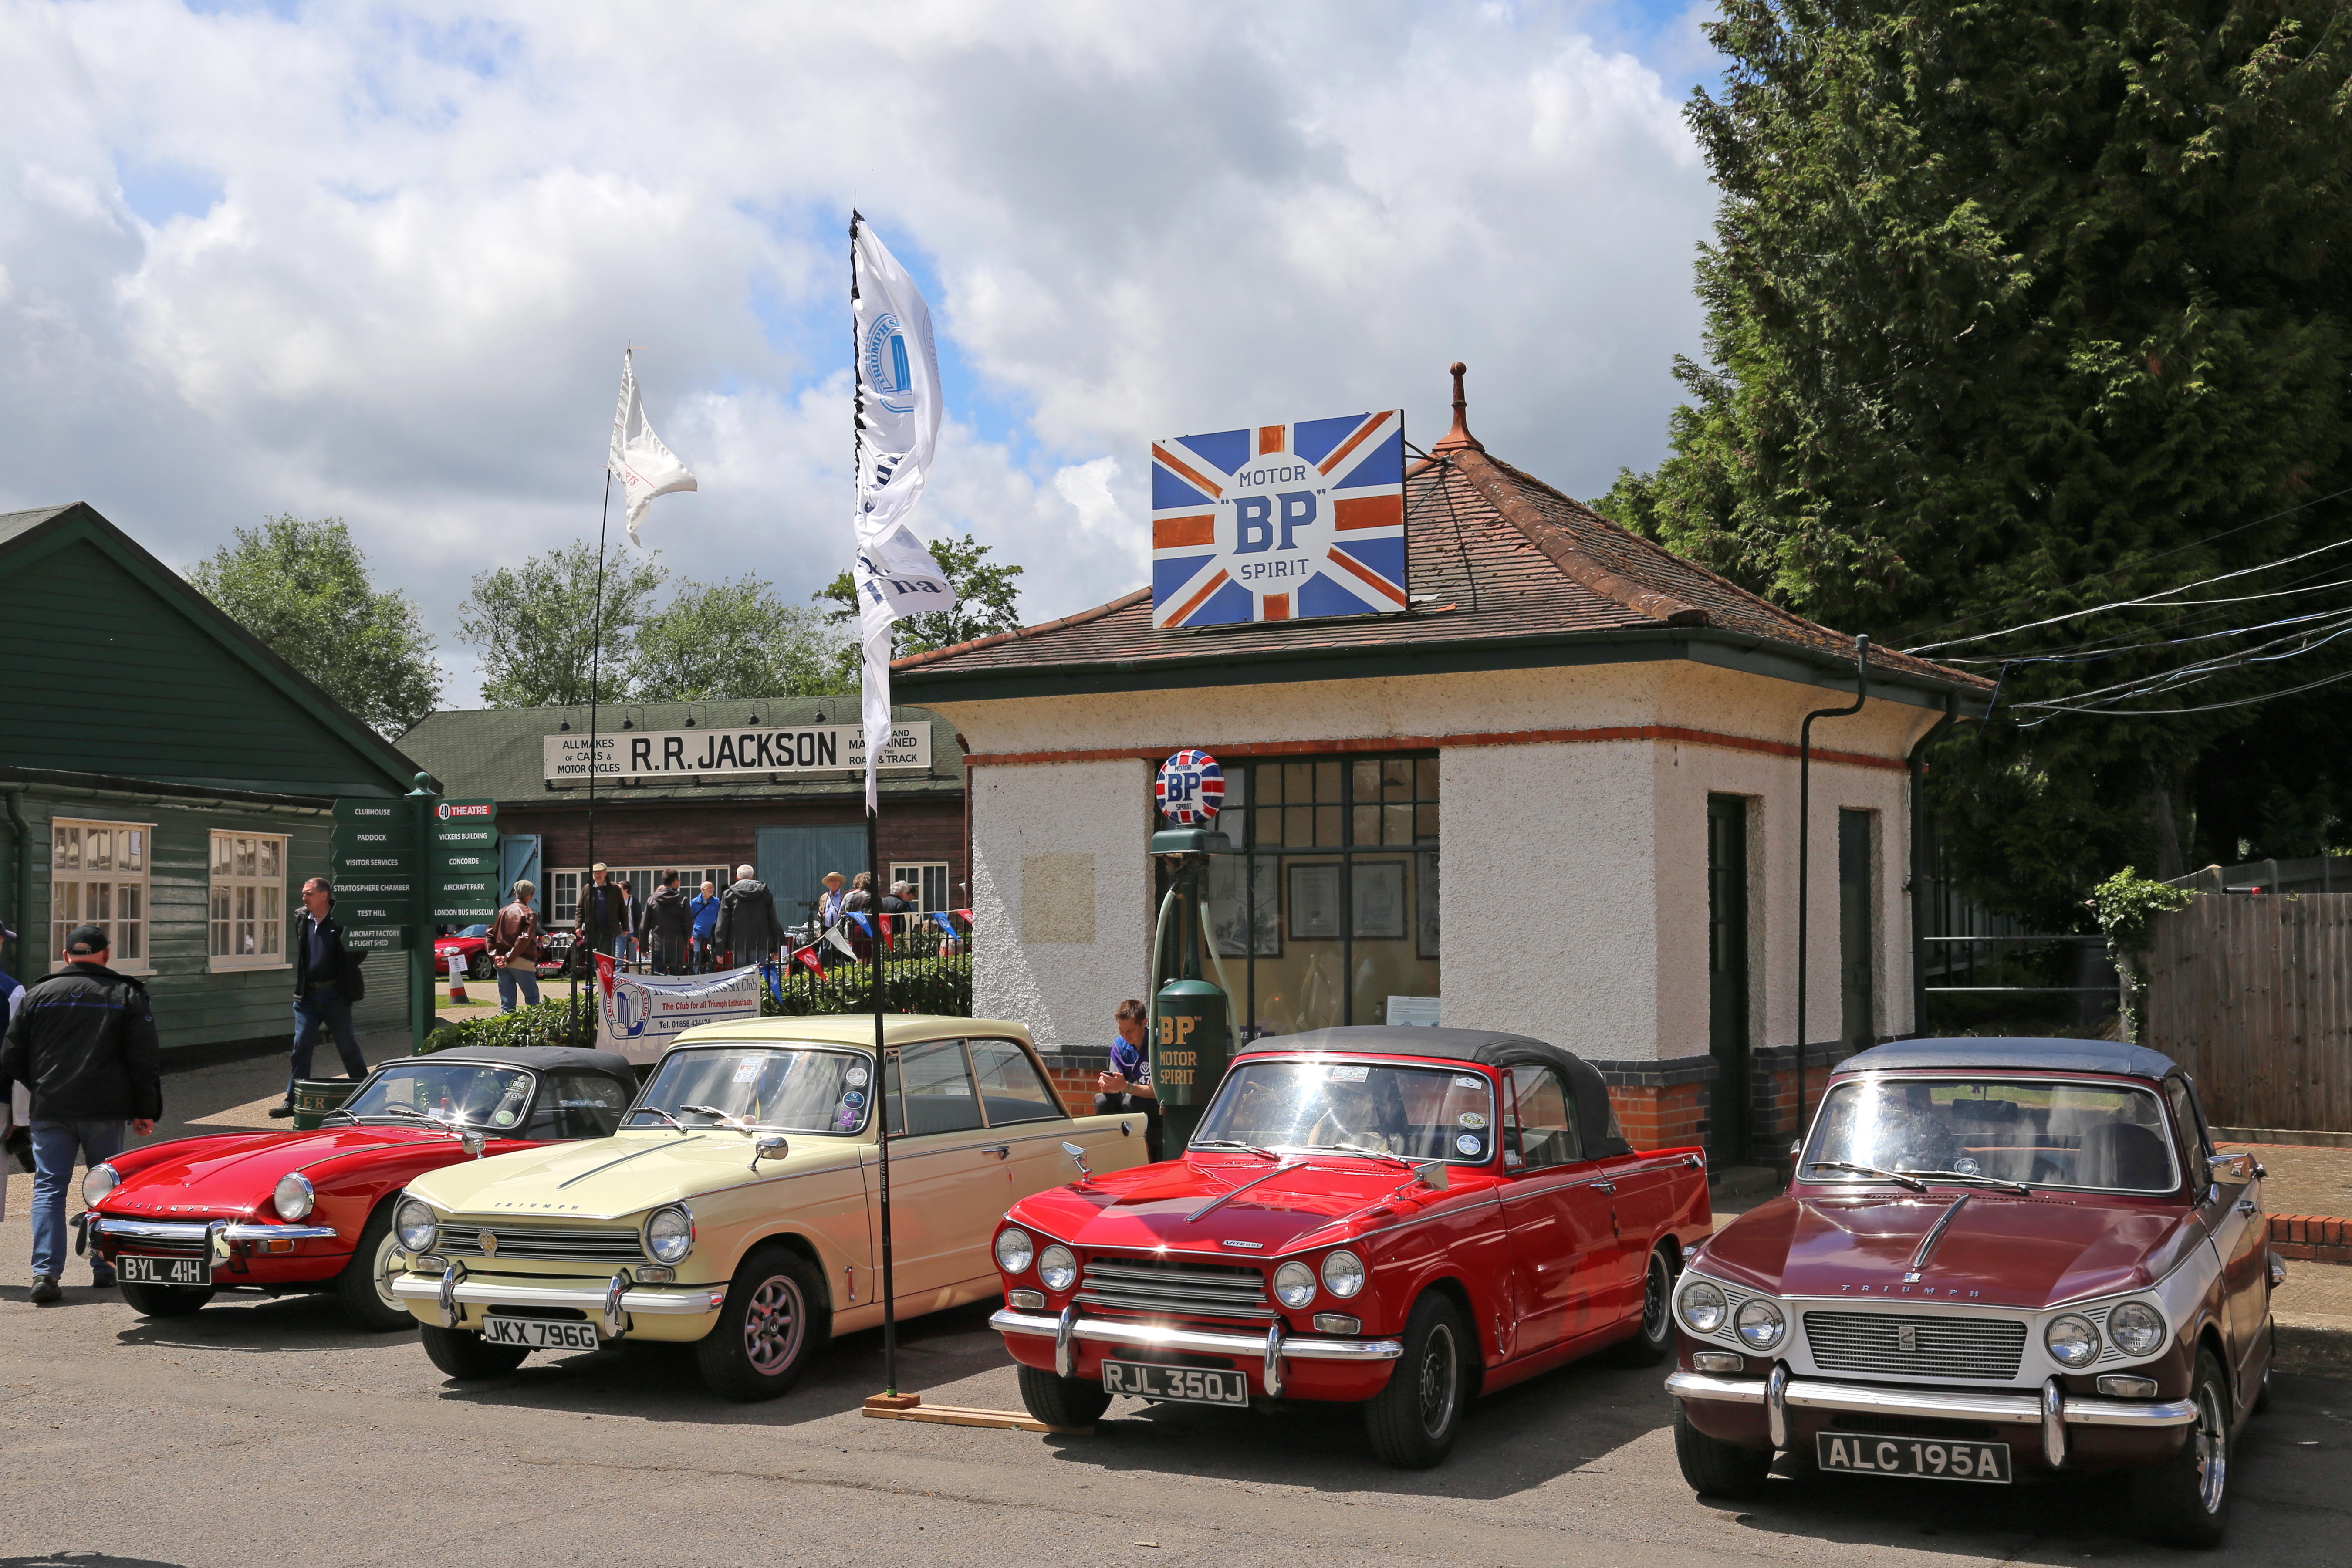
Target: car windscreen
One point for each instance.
(788, 1089)
(2102, 1137)
(1418, 1113)
(469, 1092)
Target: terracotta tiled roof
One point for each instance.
(1494, 554)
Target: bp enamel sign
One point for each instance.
(1190, 789)
(1279, 522)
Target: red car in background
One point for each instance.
(1403, 1218)
(281, 1212)
(470, 945)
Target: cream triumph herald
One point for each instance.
(738, 1207)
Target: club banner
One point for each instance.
(639, 1014)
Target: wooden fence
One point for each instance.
(2253, 996)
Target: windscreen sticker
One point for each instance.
(852, 1099)
(747, 1069)
(857, 1077)
(1471, 1119)
(1468, 1143)
(1347, 1072)
(504, 1118)
(1464, 1081)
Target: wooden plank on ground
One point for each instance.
(971, 1415)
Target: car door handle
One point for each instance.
(2247, 1206)
(1002, 1151)
(1606, 1185)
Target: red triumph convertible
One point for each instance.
(281, 1212)
(1998, 1256)
(1403, 1218)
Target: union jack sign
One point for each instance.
(1279, 522)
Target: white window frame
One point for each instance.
(236, 899)
(926, 874)
(130, 842)
(558, 904)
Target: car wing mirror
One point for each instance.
(2230, 1169)
(770, 1149)
(1078, 1158)
(1436, 1175)
(475, 1141)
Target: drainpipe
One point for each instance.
(1915, 764)
(24, 898)
(1805, 841)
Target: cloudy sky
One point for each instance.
(381, 261)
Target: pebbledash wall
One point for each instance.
(1574, 898)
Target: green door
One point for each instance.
(793, 861)
(1856, 992)
(1727, 973)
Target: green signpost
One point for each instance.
(401, 867)
(462, 851)
(374, 864)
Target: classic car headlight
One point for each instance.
(1343, 1274)
(2136, 1327)
(1014, 1251)
(1702, 1307)
(669, 1235)
(1057, 1269)
(414, 1223)
(292, 1196)
(100, 1181)
(1294, 1285)
(2072, 1342)
(1760, 1323)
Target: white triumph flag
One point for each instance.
(645, 466)
(899, 429)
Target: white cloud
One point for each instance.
(382, 261)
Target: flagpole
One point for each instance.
(874, 888)
(595, 678)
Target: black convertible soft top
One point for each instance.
(2040, 1056)
(538, 1058)
(1596, 1122)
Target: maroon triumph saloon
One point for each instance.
(1997, 1257)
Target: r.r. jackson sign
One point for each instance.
(652, 754)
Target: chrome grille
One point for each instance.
(1947, 1347)
(1175, 1289)
(461, 1239)
(158, 1246)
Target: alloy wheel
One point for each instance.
(1654, 1299)
(773, 1326)
(2212, 1439)
(1440, 1376)
(384, 1253)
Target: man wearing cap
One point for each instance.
(514, 948)
(603, 916)
(84, 1041)
(326, 982)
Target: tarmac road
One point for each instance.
(268, 1433)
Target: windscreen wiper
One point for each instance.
(1974, 1176)
(732, 1122)
(666, 1116)
(1360, 1149)
(437, 1123)
(1233, 1144)
(1897, 1177)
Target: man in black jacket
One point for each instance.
(747, 919)
(603, 918)
(326, 982)
(84, 1041)
(666, 926)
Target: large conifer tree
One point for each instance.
(2016, 309)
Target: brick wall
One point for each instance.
(1661, 1104)
(2317, 1238)
(1072, 1075)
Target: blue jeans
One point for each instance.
(513, 979)
(316, 1010)
(55, 1145)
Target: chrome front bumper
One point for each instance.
(453, 1289)
(1272, 1348)
(201, 1231)
(2048, 1407)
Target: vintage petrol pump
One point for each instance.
(1192, 1016)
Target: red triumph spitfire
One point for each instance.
(1399, 1218)
(282, 1213)
(1998, 1255)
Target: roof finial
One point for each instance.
(1459, 438)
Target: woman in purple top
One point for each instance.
(1127, 1088)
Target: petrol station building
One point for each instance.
(1553, 791)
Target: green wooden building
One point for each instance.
(166, 776)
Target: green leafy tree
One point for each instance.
(986, 597)
(733, 639)
(2019, 310)
(2126, 906)
(301, 586)
(534, 625)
